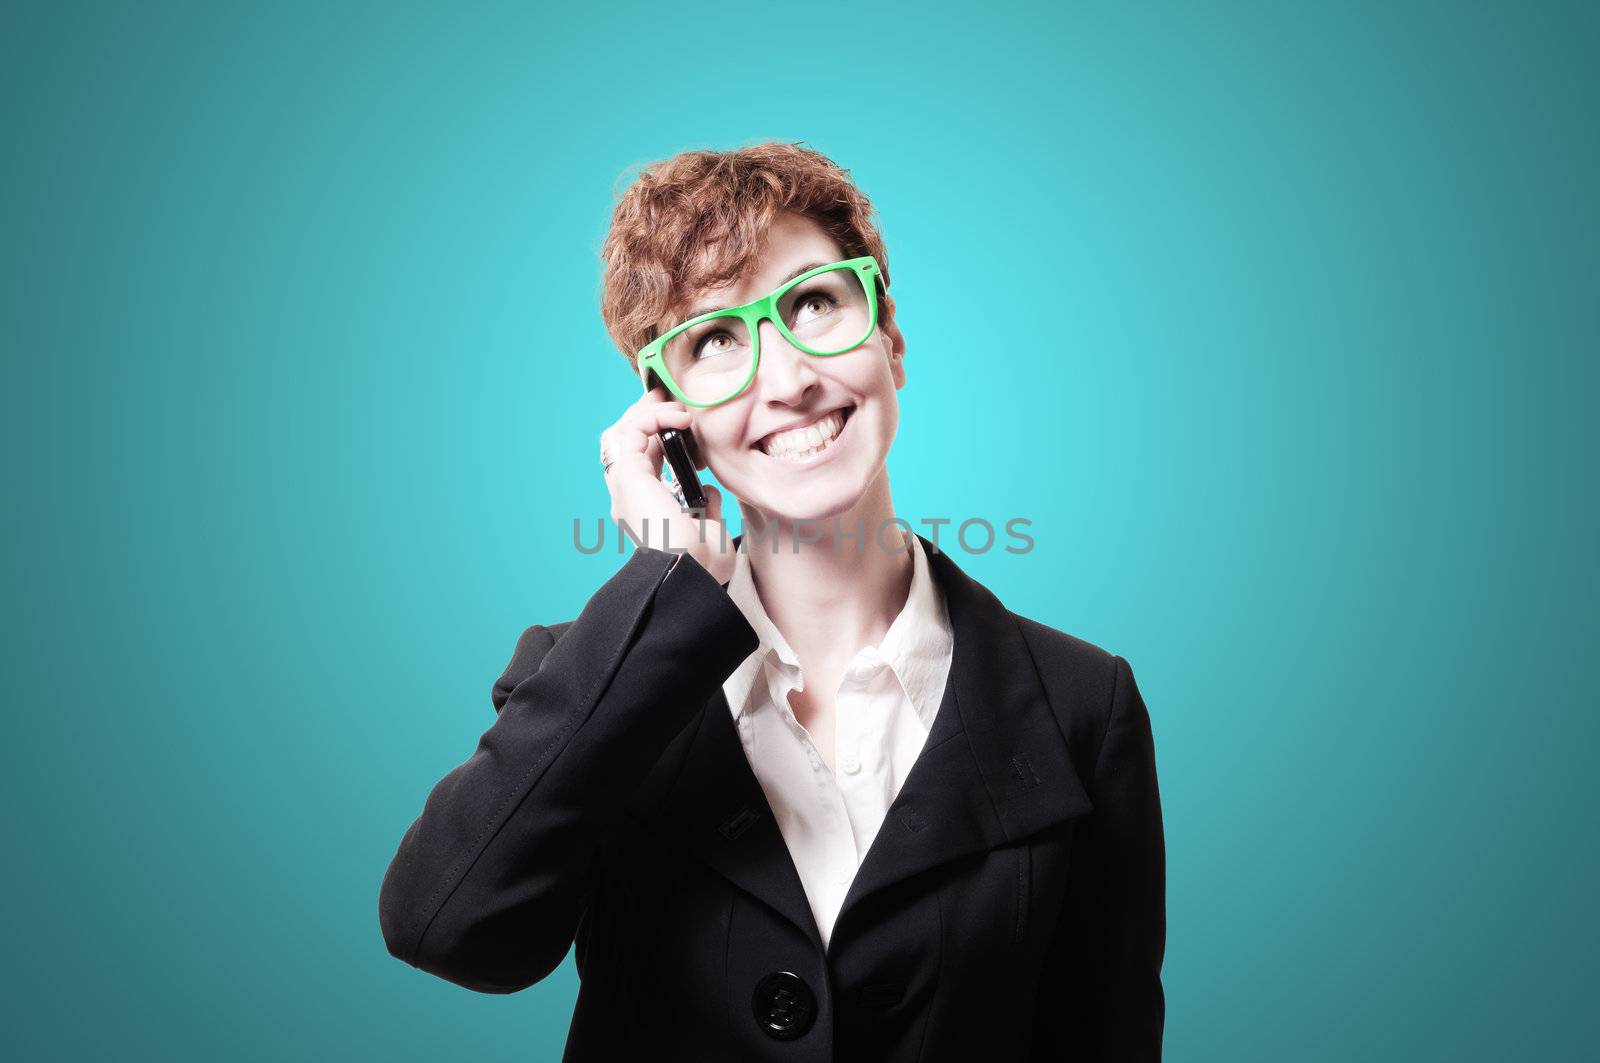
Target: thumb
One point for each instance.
(713, 502)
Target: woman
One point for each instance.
(812, 793)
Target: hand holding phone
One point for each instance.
(654, 428)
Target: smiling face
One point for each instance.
(810, 435)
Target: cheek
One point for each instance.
(881, 387)
(889, 418)
(720, 438)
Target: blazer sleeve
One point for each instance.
(1101, 986)
(490, 881)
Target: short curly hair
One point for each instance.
(698, 219)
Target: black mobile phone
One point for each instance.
(683, 454)
(682, 451)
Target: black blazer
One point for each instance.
(1011, 907)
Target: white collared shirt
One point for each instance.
(884, 710)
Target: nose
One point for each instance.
(786, 373)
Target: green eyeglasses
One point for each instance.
(711, 359)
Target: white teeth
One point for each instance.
(802, 442)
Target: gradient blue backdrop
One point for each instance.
(304, 373)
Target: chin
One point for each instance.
(818, 501)
(820, 511)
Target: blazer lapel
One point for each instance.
(730, 823)
(995, 769)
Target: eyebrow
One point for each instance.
(691, 315)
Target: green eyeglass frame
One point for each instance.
(651, 359)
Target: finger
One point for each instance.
(656, 416)
(658, 396)
(637, 438)
(616, 443)
(638, 430)
(711, 512)
(642, 435)
(638, 453)
(636, 464)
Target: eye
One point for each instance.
(813, 304)
(714, 343)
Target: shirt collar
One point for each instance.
(917, 647)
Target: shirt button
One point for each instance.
(850, 763)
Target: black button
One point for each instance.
(784, 1005)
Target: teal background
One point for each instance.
(304, 373)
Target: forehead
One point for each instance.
(792, 241)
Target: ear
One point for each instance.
(897, 344)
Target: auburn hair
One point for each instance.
(699, 218)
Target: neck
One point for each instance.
(832, 586)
